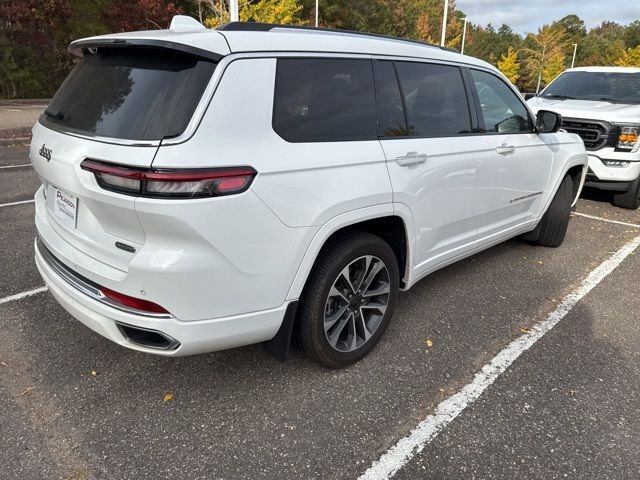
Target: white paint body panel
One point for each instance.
(226, 268)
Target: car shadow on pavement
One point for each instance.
(597, 195)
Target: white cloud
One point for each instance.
(528, 15)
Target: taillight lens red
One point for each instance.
(167, 183)
(132, 302)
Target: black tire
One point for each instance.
(551, 230)
(629, 199)
(337, 256)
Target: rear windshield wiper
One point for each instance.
(58, 115)
(560, 97)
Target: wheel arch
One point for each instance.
(576, 166)
(578, 175)
(380, 220)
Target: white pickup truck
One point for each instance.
(602, 105)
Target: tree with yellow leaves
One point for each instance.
(545, 59)
(269, 11)
(428, 24)
(630, 58)
(509, 65)
(554, 65)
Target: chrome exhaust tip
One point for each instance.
(146, 337)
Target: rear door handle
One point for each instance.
(411, 158)
(505, 149)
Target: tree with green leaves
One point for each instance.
(632, 34)
(29, 27)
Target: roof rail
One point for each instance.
(267, 27)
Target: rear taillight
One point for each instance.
(166, 183)
(132, 302)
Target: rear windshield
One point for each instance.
(613, 87)
(135, 94)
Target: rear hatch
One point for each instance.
(116, 106)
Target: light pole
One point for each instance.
(317, 13)
(444, 22)
(464, 34)
(544, 49)
(233, 10)
(575, 49)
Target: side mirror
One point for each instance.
(527, 96)
(548, 122)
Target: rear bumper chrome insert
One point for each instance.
(86, 286)
(147, 337)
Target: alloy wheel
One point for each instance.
(356, 304)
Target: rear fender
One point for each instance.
(341, 221)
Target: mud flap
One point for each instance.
(280, 345)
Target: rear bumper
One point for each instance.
(193, 337)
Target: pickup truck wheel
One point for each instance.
(629, 199)
(348, 300)
(552, 228)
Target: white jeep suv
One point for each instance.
(602, 105)
(207, 189)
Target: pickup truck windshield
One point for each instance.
(130, 93)
(615, 87)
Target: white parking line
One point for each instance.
(22, 165)
(403, 451)
(593, 217)
(21, 295)
(16, 203)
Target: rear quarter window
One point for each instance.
(130, 93)
(324, 100)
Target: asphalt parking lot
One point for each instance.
(76, 406)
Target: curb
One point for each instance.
(14, 102)
(7, 142)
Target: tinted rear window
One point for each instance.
(391, 117)
(324, 100)
(136, 94)
(435, 98)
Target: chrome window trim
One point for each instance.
(86, 287)
(113, 141)
(209, 92)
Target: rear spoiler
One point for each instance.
(80, 47)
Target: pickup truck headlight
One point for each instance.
(628, 138)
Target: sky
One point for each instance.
(528, 15)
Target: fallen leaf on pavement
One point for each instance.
(25, 391)
(429, 343)
(94, 373)
(525, 329)
(168, 397)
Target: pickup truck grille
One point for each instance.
(594, 134)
